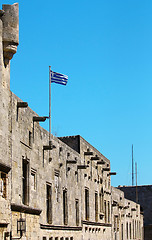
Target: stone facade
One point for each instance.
(127, 221)
(51, 188)
(143, 194)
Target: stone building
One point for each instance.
(143, 195)
(127, 221)
(52, 188)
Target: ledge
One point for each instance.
(71, 161)
(54, 227)
(96, 223)
(4, 168)
(25, 209)
(3, 225)
(82, 166)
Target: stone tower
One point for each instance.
(9, 40)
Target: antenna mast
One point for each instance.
(132, 167)
(136, 184)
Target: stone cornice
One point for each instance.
(96, 223)
(3, 225)
(26, 209)
(59, 227)
(4, 168)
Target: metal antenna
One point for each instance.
(132, 167)
(136, 184)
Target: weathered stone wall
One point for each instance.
(5, 116)
(30, 164)
(127, 220)
(72, 178)
(145, 200)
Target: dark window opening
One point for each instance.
(122, 231)
(30, 139)
(77, 211)
(49, 203)
(96, 207)
(130, 229)
(86, 204)
(105, 211)
(65, 207)
(3, 177)
(25, 181)
(108, 212)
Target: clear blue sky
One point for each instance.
(105, 47)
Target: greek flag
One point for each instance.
(58, 78)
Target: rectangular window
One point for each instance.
(56, 183)
(25, 181)
(96, 207)
(118, 220)
(77, 211)
(133, 230)
(121, 231)
(115, 224)
(101, 200)
(3, 177)
(130, 229)
(108, 212)
(127, 229)
(30, 139)
(86, 204)
(49, 203)
(65, 207)
(33, 179)
(105, 211)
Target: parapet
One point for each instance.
(10, 35)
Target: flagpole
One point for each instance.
(49, 103)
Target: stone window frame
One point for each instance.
(3, 184)
(122, 231)
(96, 206)
(65, 206)
(130, 230)
(127, 235)
(105, 210)
(25, 180)
(101, 195)
(77, 211)
(49, 203)
(108, 213)
(87, 212)
(30, 138)
(56, 183)
(34, 174)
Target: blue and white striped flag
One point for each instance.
(58, 78)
